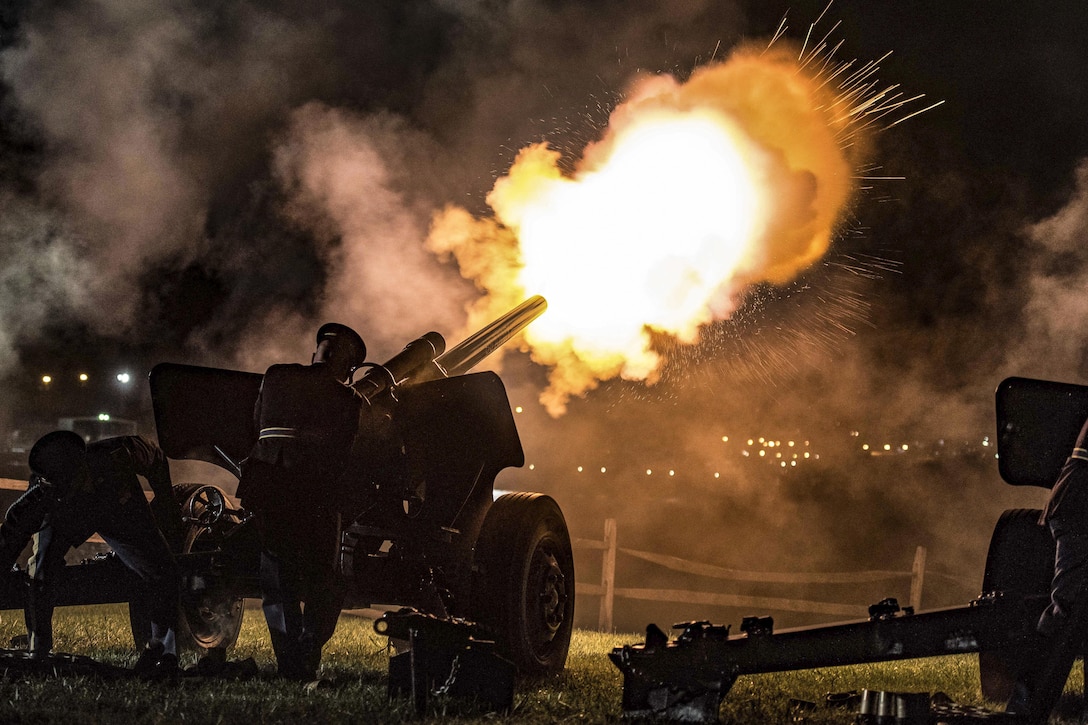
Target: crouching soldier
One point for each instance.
(76, 490)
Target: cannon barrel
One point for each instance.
(418, 355)
(476, 347)
(426, 358)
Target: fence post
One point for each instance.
(608, 576)
(917, 577)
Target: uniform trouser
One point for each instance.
(130, 531)
(302, 596)
(1062, 625)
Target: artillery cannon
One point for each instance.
(421, 526)
(685, 678)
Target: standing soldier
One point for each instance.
(77, 489)
(307, 417)
(1061, 628)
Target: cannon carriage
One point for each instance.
(421, 526)
(686, 677)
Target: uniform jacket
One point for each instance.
(306, 422)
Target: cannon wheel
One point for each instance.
(523, 588)
(1020, 562)
(210, 616)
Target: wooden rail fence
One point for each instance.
(608, 591)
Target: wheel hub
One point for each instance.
(552, 596)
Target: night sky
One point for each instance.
(152, 204)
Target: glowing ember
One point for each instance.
(696, 191)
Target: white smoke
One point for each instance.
(350, 180)
(1056, 344)
(37, 249)
(157, 125)
(93, 82)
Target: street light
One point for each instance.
(124, 390)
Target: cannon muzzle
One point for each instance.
(479, 345)
(426, 358)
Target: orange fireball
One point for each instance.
(696, 191)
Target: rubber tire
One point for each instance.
(211, 621)
(1019, 562)
(523, 587)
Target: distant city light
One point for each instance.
(46, 379)
(770, 450)
(83, 377)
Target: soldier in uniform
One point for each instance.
(1063, 624)
(77, 489)
(307, 417)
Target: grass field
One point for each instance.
(355, 666)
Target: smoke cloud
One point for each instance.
(353, 183)
(92, 80)
(177, 137)
(1056, 346)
